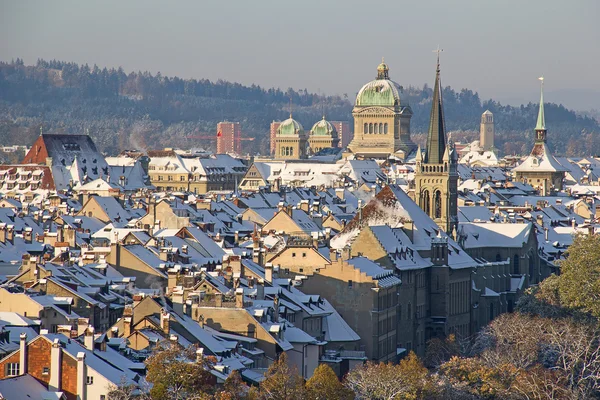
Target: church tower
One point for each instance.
(436, 177)
(486, 131)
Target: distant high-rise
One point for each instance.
(344, 133)
(229, 135)
(273, 134)
(486, 131)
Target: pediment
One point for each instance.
(373, 110)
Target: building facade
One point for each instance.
(344, 131)
(229, 135)
(273, 135)
(290, 140)
(381, 119)
(322, 135)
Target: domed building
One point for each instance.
(322, 135)
(290, 140)
(381, 119)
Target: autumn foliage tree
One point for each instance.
(176, 374)
(282, 382)
(325, 385)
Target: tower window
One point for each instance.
(380, 127)
(366, 128)
(376, 128)
(438, 204)
(385, 128)
(370, 128)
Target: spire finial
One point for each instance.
(41, 130)
(290, 106)
(383, 60)
(541, 120)
(438, 51)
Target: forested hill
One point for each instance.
(140, 110)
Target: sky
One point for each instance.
(497, 48)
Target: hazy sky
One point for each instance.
(497, 48)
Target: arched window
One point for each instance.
(287, 151)
(437, 204)
(366, 128)
(380, 127)
(370, 128)
(376, 128)
(385, 128)
(283, 151)
(291, 151)
(425, 201)
(516, 266)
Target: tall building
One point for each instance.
(381, 119)
(344, 132)
(486, 131)
(290, 140)
(436, 176)
(540, 169)
(272, 136)
(322, 135)
(229, 135)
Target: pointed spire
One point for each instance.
(290, 107)
(436, 137)
(419, 155)
(541, 121)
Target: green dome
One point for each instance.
(323, 128)
(380, 92)
(290, 127)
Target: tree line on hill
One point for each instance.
(549, 348)
(140, 110)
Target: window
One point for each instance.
(170, 177)
(102, 397)
(89, 380)
(366, 128)
(293, 254)
(350, 284)
(45, 371)
(380, 127)
(409, 311)
(370, 128)
(301, 270)
(12, 369)
(303, 255)
(385, 128)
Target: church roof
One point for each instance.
(323, 128)
(540, 160)
(379, 92)
(290, 127)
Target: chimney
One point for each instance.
(10, 233)
(201, 320)
(174, 340)
(3, 233)
(127, 320)
(28, 235)
(23, 353)
(315, 239)
(184, 249)
(546, 233)
(269, 272)
(81, 376)
(327, 237)
(289, 210)
(88, 338)
(304, 205)
(333, 254)
(55, 368)
(114, 332)
(239, 298)
(165, 321)
(200, 354)
(346, 253)
(218, 299)
(236, 237)
(340, 193)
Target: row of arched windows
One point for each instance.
(427, 201)
(380, 128)
(287, 151)
(434, 168)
